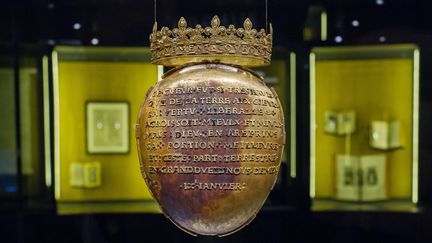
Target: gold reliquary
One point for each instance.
(210, 134)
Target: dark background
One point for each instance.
(35, 26)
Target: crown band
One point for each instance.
(239, 46)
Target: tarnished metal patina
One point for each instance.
(210, 139)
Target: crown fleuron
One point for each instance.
(239, 46)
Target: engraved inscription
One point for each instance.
(217, 122)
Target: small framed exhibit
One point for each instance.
(107, 127)
(364, 119)
(360, 178)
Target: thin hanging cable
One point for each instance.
(266, 15)
(154, 6)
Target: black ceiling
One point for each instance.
(128, 22)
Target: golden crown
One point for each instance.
(239, 46)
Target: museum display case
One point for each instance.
(97, 93)
(364, 128)
(8, 144)
(31, 135)
(22, 170)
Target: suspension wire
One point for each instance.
(266, 15)
(154, 6)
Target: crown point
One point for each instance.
(215, 22)
(182, 24)
(155, 27)
(247, 24)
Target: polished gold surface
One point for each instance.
(239, 46)
(210, 139)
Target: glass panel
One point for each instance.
(31, 134)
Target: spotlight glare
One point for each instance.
(382, 39)
(77, 26)
(94, 41)
(338, 39)
(355, 23)
(379, 2)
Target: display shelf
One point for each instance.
(123, 206)
(386, 206)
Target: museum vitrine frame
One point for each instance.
(25, 83)
(394, 67)
(10, 167)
